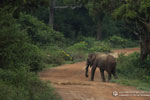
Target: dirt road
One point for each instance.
(71, 84)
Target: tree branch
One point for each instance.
(63, 7)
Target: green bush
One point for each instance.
(100, 47)
(40, 33)
(77, 51)
(119, 42)
(18, 57)
(22, 54)
(56, 55)
(24, 85)
(9, 92)
(77, 56)
(16, 48)
(78, 46)
(73, 53)
(133, 72)
(133, 68)
(52, 55)
(55, 58)
(90, 41)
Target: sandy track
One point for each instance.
(71, 84)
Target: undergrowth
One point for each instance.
(133, 72)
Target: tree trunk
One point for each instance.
(144, 48)
(51, 13)
(145, 41)
(99, 29)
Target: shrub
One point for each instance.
(40, 33)
(78, 46)
(133, 68)
(8, 92)
(54, 55)
(56, 58)
(119, 42)
(22, 54)
(78, 50)
(133, 72)
(89, 40)
(16, 48)
(18, 56)
(100, 47)
(24, 85)
(77, 56)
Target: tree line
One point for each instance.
(76, 18)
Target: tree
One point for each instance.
(97, 9)
(138, 12)
(28, 6)
(63, 4)
(51, 13)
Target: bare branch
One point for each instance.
(63, 7)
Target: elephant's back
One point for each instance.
(111, 60)
(101, 59)
(102, 56)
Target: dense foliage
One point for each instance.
(137, 13)
(20, 58)
(39, 32)
(119, 42)
(24, 85)
(132, 67)
(134, 72)
(16, 49)
(78, 23)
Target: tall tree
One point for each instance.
(138, 12)
(51, 13)
(97, 9)
(61, 5)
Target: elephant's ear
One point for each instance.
(93, 57)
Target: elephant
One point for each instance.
(104, 62)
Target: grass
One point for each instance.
(132, 82)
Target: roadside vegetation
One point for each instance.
(21, 59)
(30, 42)
(133, 72)
(79, 50)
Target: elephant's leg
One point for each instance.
(109, 74)
(114, 73)
(93, 72)
(86, 71)
(102, 75)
